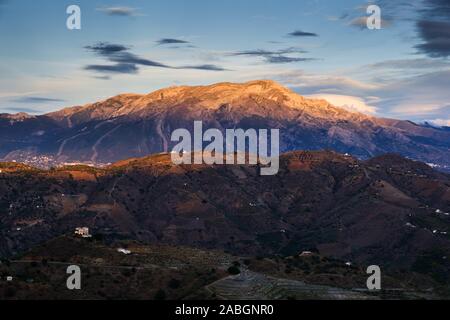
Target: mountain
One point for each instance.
(388, 210)
(132, 125)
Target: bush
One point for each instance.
(160, 295)
(233, 270)
(174, 284)
(10, 292)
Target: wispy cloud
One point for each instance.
(361, 23)
(130, 58)
(263, 53)
(126, 62)
(116, 68)
(166, 41)
(22, 109)
(37, 100)
(310, 83)
(121, 11)
(285, 59)
(208, 67)
(416, 96)
(275, 56)
(409, 64)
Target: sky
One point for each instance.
(318, 48)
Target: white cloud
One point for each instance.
(440, 122)
(323, 82)
(412, 96)
(351, 103)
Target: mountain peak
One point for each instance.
(215, 95)
(16, 116)
(261, 98)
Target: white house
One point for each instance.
(124, 251)
(83, 232)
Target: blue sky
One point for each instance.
(319, 48)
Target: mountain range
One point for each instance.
(388, 210)
(132, 125)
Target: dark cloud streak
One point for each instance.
(165, 41)
(431, 19)
(207, 67)
(125, 61)
(275, 56)
(116, 68)
(37, 100)
(436, 38)
(300, 33)
(104, 48)
(119, 11)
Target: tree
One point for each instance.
(160, 295)
(174, 284)
(234, 270)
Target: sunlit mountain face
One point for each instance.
(134, 138)
(132, 125)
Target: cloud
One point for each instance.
(439, 122)
(119, 11)
(431, 19)
(351, 103)
(436, 8)
(263, 53)
(102, 77)
(418, 97)
(435, 37)
(20, 109)
(126, 62)
(105, 48)
(285, 59)
(405, 64)
(116, 68)
(412, 96)
(357, 16)
(275, 56)
(309, 83)
(37, 100)
(299, 33)
(208, 67)
(132, 59)
(165, 41)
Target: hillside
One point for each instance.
(387, 210)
